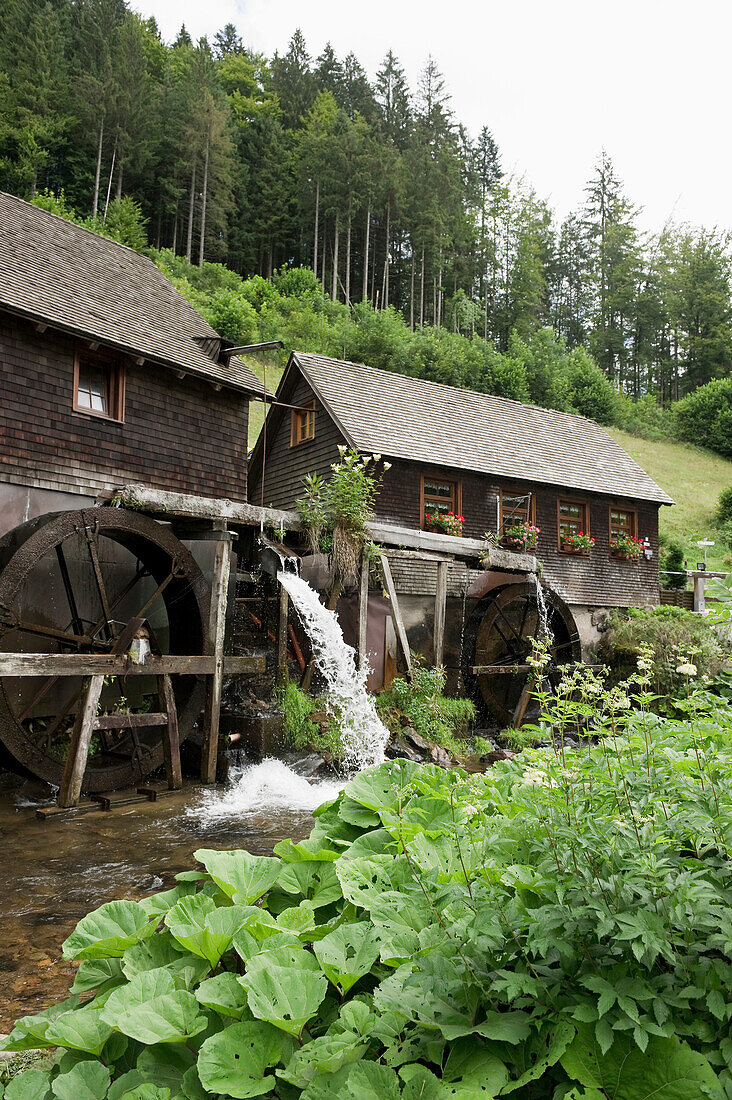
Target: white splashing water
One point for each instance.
(364, 735)
(543, 632)
(266, 788)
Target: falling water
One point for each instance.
(364, 735)
(543, 632)
(270, 787)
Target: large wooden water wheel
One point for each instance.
(76, 583)
(498, 641)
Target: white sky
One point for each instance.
(555, 80)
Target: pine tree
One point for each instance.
(392, 96)
(293, 81)
(227, 41)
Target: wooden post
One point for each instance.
(217, 627)
(523, 702)
(700, 582)
(282, 637)
(440, 610)
(363, 611)
(70, 790)
(396, 615)
(171, 740)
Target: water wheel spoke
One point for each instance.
(53, 632)
(158, 592)
(40, 694)
(100, 623)
(71, 599)
(50, 732)
(512, 628)
(92, 542)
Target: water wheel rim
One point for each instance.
(185, 598)
(499, 632)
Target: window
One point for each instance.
(440, 496)
(623, 523)
(302, 426)
(99, 384)
(573, 519)
(517, 506)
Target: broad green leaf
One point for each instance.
(348, 953)
(31, 1085)
(303, 852)
(166, 1064)
(224, 994)
(83, 1029)
(421, 1084)
(285, 987)
(97, 974)
(247, 876)
(371, 1081)
(147, 1092)
(472, 1072)
(202, 928)
(151, 1010)
(377, 842)
(298, 918)
(109, 931)
(346, 1041)
(316, 881)
(235, 1061)
(30, 1031)
(125, 1084)
(327, 1086)
(86, 1081)
(160, 903)
(163, 951)
(191, 1087)
(353, 813)
(384, 787)
(506, 1027)
(544, 1049)
(668, 1070)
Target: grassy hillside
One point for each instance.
(694, 478)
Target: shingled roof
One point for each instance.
(403, 417)
(69, 278)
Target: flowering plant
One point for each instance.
(521, 536)
(447, 522)
(578, 543)
(626, 547)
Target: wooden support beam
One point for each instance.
(75, 766)
(440, 611)
(282, 636)
(699, 591)
(171, 741)
(217, 627)
(111, 664)
(396, 615)
(523, 702)
(363, 611)
(128, 721)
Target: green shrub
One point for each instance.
(432, 714)
(723, 512)
(674, 634)
(644, 417)
(705, 417)
(557, 928)
(672, 572)
(300, 732)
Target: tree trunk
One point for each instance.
(421, 292)
(204, 199)
(189, 236)
(317, 226)
(95, 203)
(111, 177)
(334, 280)
(322, 270)
(411, 295)
(348, 253)
(387, 257)
(175, 232)
(365, 290)
(120, 170)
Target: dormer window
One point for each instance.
(302, 426)
(98, 384)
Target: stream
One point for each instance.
(56, 871)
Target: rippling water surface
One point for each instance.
(56, 871)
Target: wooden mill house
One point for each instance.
(497, 463)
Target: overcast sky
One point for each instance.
(555, 80)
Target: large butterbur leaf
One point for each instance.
(30, 1031)
(97, 974)
(202, 928)
(236, 1061)
(109, 931)
(472, 1072)
(348, 953)
(31, 1085)
(383, 788)
(667, 1070)
(224, 994)
(82, 1029)
(247, 876)
(85, 1081)
(346, 1041)
(316, 881)
(285, 987)
(150, 1009)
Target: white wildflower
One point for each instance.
(342, 449)
(387, 465)
(686, 669)
(534, 775)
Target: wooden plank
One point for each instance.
(363, 611)
(440, 612)
(523, 702)
(171, 740)
(164, 503)
(127, 721)
(75, 766)
(217, 627)
(499, 670)
(396, 615)
(389, 534)
(282, 636)
(109, 664)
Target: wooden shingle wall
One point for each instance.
(179, 435)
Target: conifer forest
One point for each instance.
(260, 163)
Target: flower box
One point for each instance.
(577, 544)
(444, 523)
(521, 538)
(626, 548)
